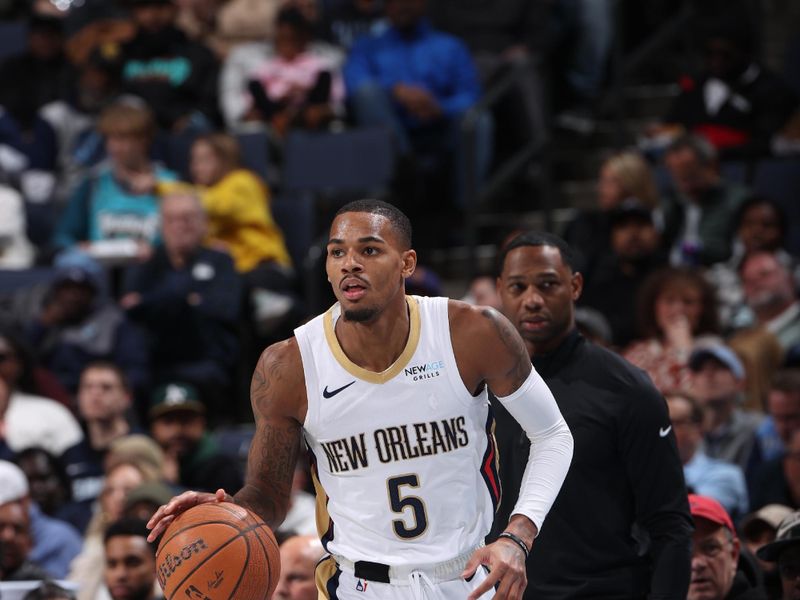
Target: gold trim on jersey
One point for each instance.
(323, 519)
(396, 367)
(325, 571)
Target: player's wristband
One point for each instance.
(517, 540)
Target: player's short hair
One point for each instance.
(399, 221)
(127, 117)
(129, 527)
(534, 239)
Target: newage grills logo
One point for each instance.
(426, 371)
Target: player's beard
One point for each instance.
(360, 315)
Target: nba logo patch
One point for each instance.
(361, 585)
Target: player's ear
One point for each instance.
(409, 263)
(577, 285)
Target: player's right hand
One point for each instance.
(167, 513)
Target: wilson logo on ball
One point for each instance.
(173, 561)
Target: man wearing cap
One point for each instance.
(717, 381)
(76, 326)
(785, 551)
(30, 541)
(704, 475)
(715, 556)
(178, 424)
(759, 529)
(634, 253)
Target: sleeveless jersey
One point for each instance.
(403, 461)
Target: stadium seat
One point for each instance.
(255, 153)
(359, 161)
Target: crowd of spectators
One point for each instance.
(157, 270)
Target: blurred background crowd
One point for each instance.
(168, 169)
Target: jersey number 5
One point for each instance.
(399, 504)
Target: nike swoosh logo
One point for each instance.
(332, 393)
(664, 432)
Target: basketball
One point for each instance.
(218, 551)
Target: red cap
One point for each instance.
(706, 507)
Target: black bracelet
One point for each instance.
(517, 540)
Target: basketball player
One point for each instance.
(389, 393)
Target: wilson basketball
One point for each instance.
(218, 551)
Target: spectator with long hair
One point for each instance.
(675, 307)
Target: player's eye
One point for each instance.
(370, 251)
(336, 252)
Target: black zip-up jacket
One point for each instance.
(620, 527)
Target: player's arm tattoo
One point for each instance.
(520, 365)
(275, 447)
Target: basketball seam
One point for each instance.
(243, 571)
(266, 555)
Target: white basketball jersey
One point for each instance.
(404, 461)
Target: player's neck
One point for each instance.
(376, 344)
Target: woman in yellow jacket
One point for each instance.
(240, 221)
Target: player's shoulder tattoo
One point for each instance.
(511, 339)
(277, 368)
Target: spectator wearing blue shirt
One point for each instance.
(783, 408)
(52, 544)
(706, 476)
(419, 82)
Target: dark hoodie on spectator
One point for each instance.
(173, 74)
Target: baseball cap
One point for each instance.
(788, 535)
(631, 208)
(707, 508)
(770, 515)
(174, 397)
(13, 483)
(156, 492)
(720, 352)
(75, 275)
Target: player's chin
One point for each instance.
(121, 592)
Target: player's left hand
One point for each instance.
(506, 564)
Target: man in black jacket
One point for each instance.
(187, 297)
(620, 528)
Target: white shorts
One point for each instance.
(335, 584)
